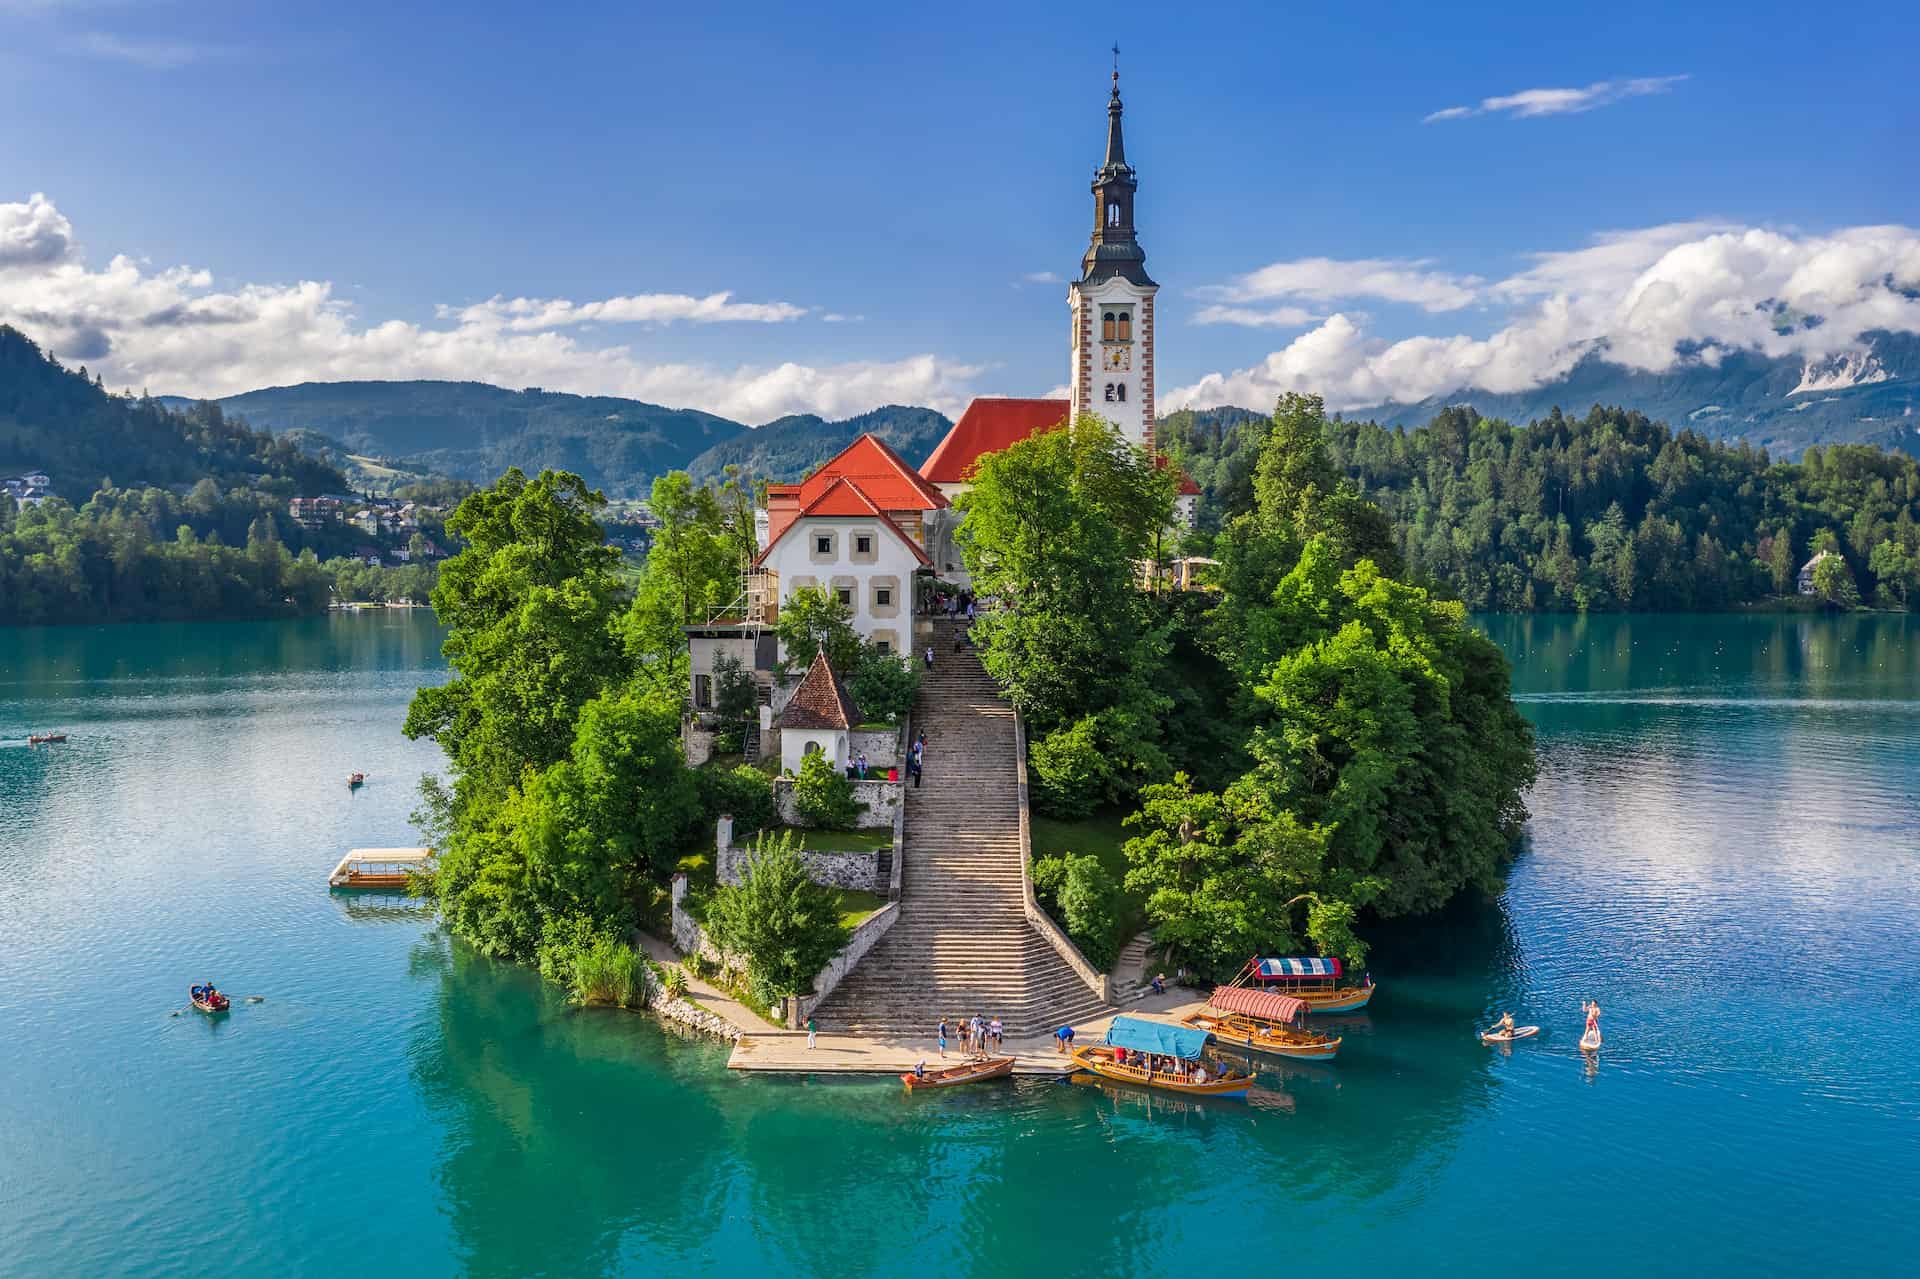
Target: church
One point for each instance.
(867, 521)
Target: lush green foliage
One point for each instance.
(1609, 511)
(883, 684)
(592, 962)
(742, 792)
(1076, 889)
(813, 620)
(782, 923)
(824, 796)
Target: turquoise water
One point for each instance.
(1723, 853)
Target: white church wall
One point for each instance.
(887, 565)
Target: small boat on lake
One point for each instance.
(356, 780)
(208, 1000)
(953, 1076)
(1318, 983)
(1262, 1021)
(41, 739)
(1158, 1054)
(380, 867)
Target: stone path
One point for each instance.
(962, 944)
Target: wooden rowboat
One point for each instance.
(218, 1004)
(1099, 1059)
(38, 739)
(1271, 1038)
(954, 1076)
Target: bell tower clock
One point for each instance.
(1112, 301)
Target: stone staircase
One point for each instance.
(962, 944)
(1131, 978)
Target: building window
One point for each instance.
(811, 748)
(845, 595)
(863, 544)
(883, 596)
(1113, 214)
(885, 646)
(823, 544)
(1126, 326)
(1107, 327)
(703, 691)
(1120, 392)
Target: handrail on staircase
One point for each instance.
(900, 809)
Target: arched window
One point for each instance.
(1120, 393)
(1109, 392)
(1113, 215)
(1126, 326)
(1107, 327)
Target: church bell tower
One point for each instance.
(1112, 301)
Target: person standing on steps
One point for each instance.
(929, 657)
(813, 1029)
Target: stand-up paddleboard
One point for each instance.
(1508, 1036)
(1590, 1042)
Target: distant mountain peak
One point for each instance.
(1840, 371)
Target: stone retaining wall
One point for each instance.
(882, 800)
(691, 939)
(881, 745)
(860, 870)
(870, 931)
(688, 1013)
(696, 741)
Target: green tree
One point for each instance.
(883, 684)
(1894, 567)
(786, 926)
(812, 620)
(1833, 582)
(1780, 564)
(823, 796)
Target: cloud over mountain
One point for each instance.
(172, 329)
(1648, 299)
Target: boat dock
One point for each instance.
(379, 867)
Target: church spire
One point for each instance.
(1114, 250)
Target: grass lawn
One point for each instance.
(835, 841)
(1103, 836)
(856, 905)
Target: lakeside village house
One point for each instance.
(30, 489)
(867, 522)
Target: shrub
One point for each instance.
(1070, 770)
(1048, 874)
(884, 684)
(698, 965)
(824, 796)
(1087, 897)
(609, 972)
(673, 980)
(743, 790)
(786, 926)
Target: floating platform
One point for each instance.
(379, 867)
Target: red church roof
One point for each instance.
(1187, 487)
(990, 424)
(882, 475)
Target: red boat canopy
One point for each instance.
(1256, 1003)
(1276, 969)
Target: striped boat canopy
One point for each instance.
(1270, 969)
(1264, 1004)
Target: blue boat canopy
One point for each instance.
(1136, 1034)
(1273, 969)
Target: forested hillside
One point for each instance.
(473, 431)
(1608, 511)
(64, 423)
(784, 450)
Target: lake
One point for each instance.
(1723, 852)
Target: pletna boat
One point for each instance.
(1159, 1054)
(38, 739)
(1261, 1021)
(380, 867)
(953, 1076)
(1316, 982)
(209, 1000)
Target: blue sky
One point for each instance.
(881, 192)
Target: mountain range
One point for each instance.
(1784, 404)
(473, 431)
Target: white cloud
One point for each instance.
(170, 329)
(33, 234)
(1276, 317)
(533, 315)
(1041, 277)
(1327, 279)
(1647, 299)
(155, 55)
(1538, 102)
(835, 317)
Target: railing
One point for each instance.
(1097, 982)
(899, 860)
